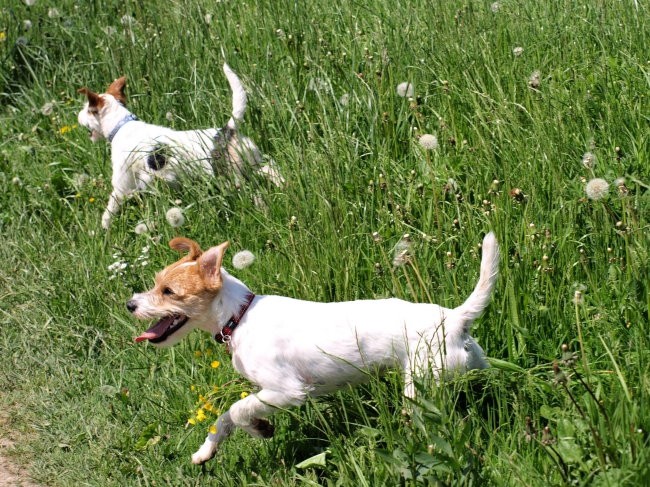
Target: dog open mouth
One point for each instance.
(164, 328)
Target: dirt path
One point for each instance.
(11, 473)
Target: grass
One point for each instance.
(95, 409)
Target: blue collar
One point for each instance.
(129, 118)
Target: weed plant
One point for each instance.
(528, 102)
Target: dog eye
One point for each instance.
(168, 292)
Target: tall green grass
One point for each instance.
(95, 409)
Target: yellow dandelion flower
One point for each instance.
(201, 398)
(212, 430)
(215, 388)
(208, 352)
(3, 36)
(91, 200)
(192, 421)
(200, 415)
(66, 128)
(208, 406)
(243, 394)
(215, 364)
(197, 353)
(192, 388)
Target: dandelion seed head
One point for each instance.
(27, 24)
(428, 142)
(127, 20)
(169, 116)
(589, 160)
(405, 89)
(47, 109)
(16, 181)
(402, 252)
(53, 13)
(175, 217)
(518, 51)
(345, 99)
(535, 80)
(207, 18)
(495, 7)
(141, 228)
(30, 3)
(597, 189)
(243, 259)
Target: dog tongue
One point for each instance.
(156, 330)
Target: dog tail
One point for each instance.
(480, 297)
(238, 97)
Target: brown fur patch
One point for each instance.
(189, 285)
(116, 88)
(95, 102)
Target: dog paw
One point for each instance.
(106, 220)
(205, 453)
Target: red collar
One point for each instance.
(225, 335)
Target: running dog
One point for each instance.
(141, 151)
(293, 349)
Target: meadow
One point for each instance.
(539, 113)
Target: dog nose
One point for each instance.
(131, 305)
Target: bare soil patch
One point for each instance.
(12, 474)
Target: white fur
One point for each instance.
(188, 150)
(293, 349)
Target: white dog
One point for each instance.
(141, 151)
(293, 349)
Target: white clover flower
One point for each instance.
(30, 3)
(207, 19)
(518, 51)
(495, 7)
(589, 160)
(402, 252)
(405, 89)
(16, 181)
(53, 13)
(47, 109)
(345, 99)
(597, 189)
(280, 33)
(243, 259)
(175, 217)
(428, 142)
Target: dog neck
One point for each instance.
(128, 118)
(113, 117)
(230, 305)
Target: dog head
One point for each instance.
(181, 299)
(99, 105)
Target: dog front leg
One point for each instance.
(114, 203)
(224, 426)
(247, 414)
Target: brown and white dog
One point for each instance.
(141, 152)
(293, 349)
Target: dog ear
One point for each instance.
(210, 266)
(183, 244)
(95, 101)
(116, 88)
